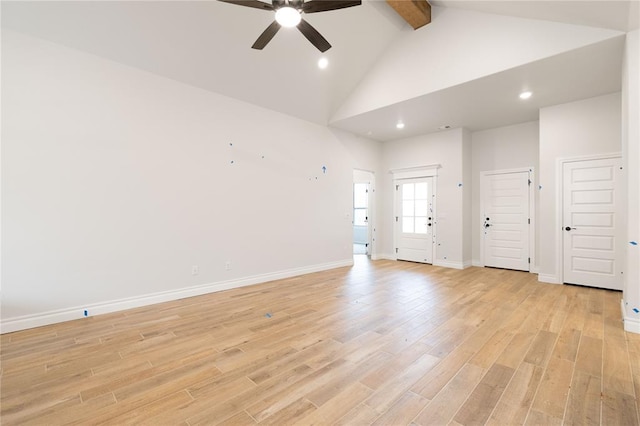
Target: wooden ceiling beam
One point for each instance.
(417, 13)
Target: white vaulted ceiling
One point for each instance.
(370, 83)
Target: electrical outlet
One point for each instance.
(195, 270)
(227, 265)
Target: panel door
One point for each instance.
(505, 220)
(414, 220)
(591, 199)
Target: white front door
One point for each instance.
(591, 200)
(414, 220)
(506, 220)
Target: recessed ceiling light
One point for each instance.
(525, 95)
(400, 125)
(323, 63)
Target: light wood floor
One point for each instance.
(383, 342)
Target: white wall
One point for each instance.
(116, 181)
(582, 128)
(502, 148)
(446, 149)
(631, 149)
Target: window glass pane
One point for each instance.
(421, 191)
(360, 217)
(407, 191)
(421, 225)
(407, 224)
(421, 207)
(407, 208)
(360, 198)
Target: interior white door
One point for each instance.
(591, 200)
(506, 220)
(414, 220)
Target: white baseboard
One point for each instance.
(449, 264)
(52, 317)
(386, 256)
(631, 325)
(550, 279)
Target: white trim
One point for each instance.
(631, 325)
(560, 162)
(476, 262)
(450, 264)
(52, 317)
(532, 212)
(415, 172)
(549, 279)
(384, 256)
(365, 170)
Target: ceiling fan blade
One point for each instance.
(257, 4)
(313, 6)
(313, 36)
(266, 36)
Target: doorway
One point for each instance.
(363, 191)
(592, 193)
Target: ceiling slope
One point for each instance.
(492, 101)
(207, 44)
(457, 47)
(458, 70)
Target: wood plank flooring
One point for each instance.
(383, 342)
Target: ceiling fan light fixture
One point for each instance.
(288, 17)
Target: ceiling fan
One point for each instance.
(289, 14)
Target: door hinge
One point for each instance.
(528, 260)
(528, 181)
(529, 221)
(396, 249)
(396, 218)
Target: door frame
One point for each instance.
(371, 228)
(416, 173)
(560, 162)
(532, 211)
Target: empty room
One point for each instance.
(347, 212)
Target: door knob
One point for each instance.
(486, 225)
(568, 228)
